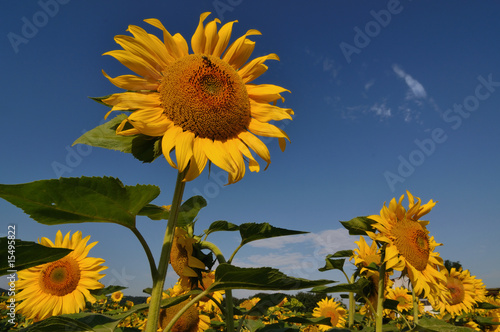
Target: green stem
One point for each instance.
(381, 291)
(415, 305)
(152, 264)
(159, 281)
(234, 253)
(352, 304)
(229, 293)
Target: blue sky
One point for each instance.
(388, 96)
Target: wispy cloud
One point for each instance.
(416, 89)
(381, 110)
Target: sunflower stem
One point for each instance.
(351, 304)
(229, 294)
(234, 253)
(381, 291)
(152, 264)
(159, 281)
(415, 305)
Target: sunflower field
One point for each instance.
(199, 109)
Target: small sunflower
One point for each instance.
(331, 309)
(202, 105)
(117, 296)
(409, 246)
(403, 296)
(464, 291)
(181, 255)
(60, 287)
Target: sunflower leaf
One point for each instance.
(333, 264)
(221, 225)
(265, 302)
(142, 147)
(264, 278)
(359, 225)
(253, 231)
(435, 324)
(26, 254)
(342, 253)
(189, 210)
(356, 287)
(155, 212)
(76, 200)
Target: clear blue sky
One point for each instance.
(388, 96)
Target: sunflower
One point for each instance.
(181, 255)
(493, 314)
(330, 309)
(401, 295)
(202, 105)
(62, 286)
(409, 247)
(117, 296)
(464, 291)
(190, 320)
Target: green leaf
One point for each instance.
(356, 287)
(26, 254)
(263, 278)
(333, 264)
(221, 225)
(189, 210)
(76, 200)
(155, 212)
(58, 324)
(486, 305)
(359, 225)
(254, 231)
(391, 304)
(267, 301)
(438, 325)
(308, 320)
(342, 253)
(142, 147)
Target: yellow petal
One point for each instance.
(265, 112)
(239, 49)
(256, 144)
(132, 82)
(234, 151)
(170, 43)
(211, 36)
(152, 44)
(168, 143)
(216, 153)
(255, 68)
(223, 40)
(198, 40)
(184, 149)
(197, 163)
(266, 129)
(136, 64)
(266, 93)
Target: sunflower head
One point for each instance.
(181, 255)
(117, 296)
(331, 309)
(62, 286)
(409, 247)
(202, 105)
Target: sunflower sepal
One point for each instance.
(142, 147)
(359, 225)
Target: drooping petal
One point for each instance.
(184, 149)
(168, 143)
(198, 40)
(255, 68)
(136, 64)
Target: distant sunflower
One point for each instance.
(117, 296)
(464, 291)
(201, 104)
(62, 286)
(409, 246)
(331, 309)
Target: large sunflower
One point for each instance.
(60, 287)
(409, 247)
(464, 292)
(181, 255)
(331, 309)
(201, 104)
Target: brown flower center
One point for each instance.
(457, 291)
(412, 242)
(60, 277)
(206, 96)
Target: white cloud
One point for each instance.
(369, 84)
(381, 110)
(416, 89)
